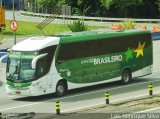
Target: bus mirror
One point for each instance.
(34, 61)
(60, 61)
(3, 57)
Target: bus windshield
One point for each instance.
(19, 66)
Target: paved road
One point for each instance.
(9, 42)
(154, 110)
(81, 98)
(9, 15)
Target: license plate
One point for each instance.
(17, 92)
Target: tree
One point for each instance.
(158, 3)
(105, 8)
(151, 9)
(50, 6)
(123, 6)
(106, 3)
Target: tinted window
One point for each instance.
(41, 67)
(121, 44)
(48, 59)
(101, 46)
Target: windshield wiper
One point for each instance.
(15, 72)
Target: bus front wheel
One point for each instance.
(126, 76)
(61, 88)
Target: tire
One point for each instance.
(61, 88)
(126, 76)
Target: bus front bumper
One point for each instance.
(20, 91)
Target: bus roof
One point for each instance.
(93, 35)
(35, 43)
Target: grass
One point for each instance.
(128, 24)
(29, 28)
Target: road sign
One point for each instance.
(13, 25)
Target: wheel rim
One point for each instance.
(126, 77)
(60, 90)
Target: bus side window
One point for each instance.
(41, 67)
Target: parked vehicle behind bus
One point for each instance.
(2, 19)
(43, 65)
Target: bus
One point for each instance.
(55, 64)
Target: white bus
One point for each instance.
(43, 65)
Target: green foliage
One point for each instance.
(102, 8)
(123, 6)
(29, 28)
(1, 37)
(158, 4)
(128, 25)
(78, 26)
(50, 5)
(127, 3)
(106, 3)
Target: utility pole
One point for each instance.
(14, 20)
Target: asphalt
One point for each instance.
(78, 99)
(19, 17)
(83, 98)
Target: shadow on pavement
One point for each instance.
(1, 83)
(76, 92)
(73, 92)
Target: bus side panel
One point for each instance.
(93, 69)
(102, 59)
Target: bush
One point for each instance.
(128, 25)
(77, 26)
(1, 38)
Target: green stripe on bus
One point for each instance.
(19, 84)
